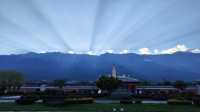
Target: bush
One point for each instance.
(126, 101)
(138, 101)
(53, 100)
(60, 101)
(79, 100)
(179, 102)
(26, 100)
(196, 101)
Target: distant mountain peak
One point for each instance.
(44, 66)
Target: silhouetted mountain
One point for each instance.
(177, 66)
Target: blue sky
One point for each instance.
(99, 26)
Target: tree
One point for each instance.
(108, 83)
(11, 80)
(166, 83)
(145, 83)
(181, 85)
(59, 83)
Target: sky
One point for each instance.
(99, 26)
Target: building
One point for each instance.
(80, 87)
(155, 89)
(71, 86)
(114, 72)
(127, 82)
(33, 86)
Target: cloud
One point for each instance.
(125, 51)
(107, 51)
(99, 52)
(156, 51)
(71, 52)
(91, 53)
(144, 51)
(195, 51)
(148, 51)
(177, 48)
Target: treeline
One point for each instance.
(10, 80)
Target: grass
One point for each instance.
(101, 107)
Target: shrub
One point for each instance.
(53, 100)
(179, 102)
(138, 101)
(60, 101)
(196, 101)
(25, 100)
(126, 101)
(79, 100)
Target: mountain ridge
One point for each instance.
(44, 66)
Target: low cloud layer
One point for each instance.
(177, 48)
(143, 51)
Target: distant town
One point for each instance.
(111, 88)
(127, 83)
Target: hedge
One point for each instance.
(138, 101)
(79, 100)
(126, 101)
(25, 100)
(179, 102)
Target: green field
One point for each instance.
(101, 107)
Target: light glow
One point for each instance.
(95, 27)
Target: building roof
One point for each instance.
(126, 78)
(156, 87)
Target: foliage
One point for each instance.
(166, 83)
(145, 83)
(126, 101)
(196, 100)
(60, 83)
(181, 85)
(26, 100)
(179, 102)
(10, 80)
(108, 83)
(79, 100)
(96, 107)
(60, 101)
(138, 101)
(53, 97)
(54, 101)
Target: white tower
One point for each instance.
(114, 72)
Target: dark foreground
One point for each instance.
(101, 107)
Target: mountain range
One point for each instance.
(50, 66)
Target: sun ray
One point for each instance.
(49, 25)
(97, 26)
